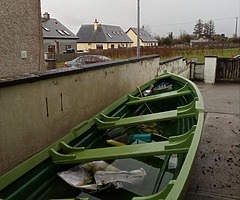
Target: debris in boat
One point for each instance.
(173, 161)
(82, 175)
(133, 177)
(142, 137)
(99, 175)
(162, 87)
(115, 143)
(146, 92)
(115, 132)
(152, 128)
(76, 176)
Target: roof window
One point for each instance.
(60, 32)
(66, 32)
(46, 29)
(109, 35)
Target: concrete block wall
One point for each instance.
(21, 31)
(40, 109)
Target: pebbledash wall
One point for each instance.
(40, 109)
(21, 42)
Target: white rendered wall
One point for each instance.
(210, 69)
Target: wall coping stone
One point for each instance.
(170, 60)
(48, 74)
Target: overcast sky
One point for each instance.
(160, 16)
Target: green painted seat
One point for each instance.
(176, 144)
(181, 112)
(138, 100)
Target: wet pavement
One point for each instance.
(216, 171)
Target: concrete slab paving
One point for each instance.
(221, 98)
(216, 173)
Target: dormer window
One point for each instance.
(46, 29)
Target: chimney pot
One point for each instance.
(46, 16)
(95, 23)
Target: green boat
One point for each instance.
(147, 142)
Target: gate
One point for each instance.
(228, 69)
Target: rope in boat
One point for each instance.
(144, 103)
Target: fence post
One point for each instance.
(210, 69)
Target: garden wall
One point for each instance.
(41, 108)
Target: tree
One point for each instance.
(184, 37)
(206, 30)
(198, 29)
(147, 28)
(211, 29)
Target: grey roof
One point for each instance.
(144, 35)
(103, 34)
(52, 28)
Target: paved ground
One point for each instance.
(216, 173)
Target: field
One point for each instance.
(168, 52)
(197, 54)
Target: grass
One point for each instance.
(165, 53)
(200, 54)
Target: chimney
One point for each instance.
(95, 23)
(46, 16)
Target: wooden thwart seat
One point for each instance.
(79, 155)
(138, 100)
(181, 112)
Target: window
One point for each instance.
(99, 46)
(46, 29)
(67, 33)
(67, 47)
(51, 48)
(109, 35)
(60, 32)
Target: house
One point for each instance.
(198, 43)
(146, 39)
(56, 37)
(100, 36)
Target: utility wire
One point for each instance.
(156, 25)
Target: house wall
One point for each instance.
(40, 109)
(21, 31)
(62, 44)
(133, 37)
(82, 46)
(131, 34)
(88, 46)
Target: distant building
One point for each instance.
(99, 36)
(56, 37)
(146, 39)
(201, 42)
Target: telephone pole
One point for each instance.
(138, 28)
(236, 27)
